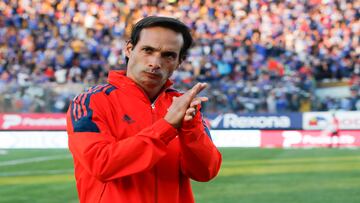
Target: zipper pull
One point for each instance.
(153, 106)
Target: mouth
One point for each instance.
(153, 75)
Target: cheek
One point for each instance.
(136, 62)
(168, 65)
(171, 69)
(174, 66)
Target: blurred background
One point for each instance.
(284, 90)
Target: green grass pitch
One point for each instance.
(248, 175)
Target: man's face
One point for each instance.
(154, 58)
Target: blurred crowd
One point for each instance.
(257, 55)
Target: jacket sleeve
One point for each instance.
(104, 157)
(200, 159)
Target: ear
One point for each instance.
(128, 48)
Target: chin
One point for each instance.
(152, 84)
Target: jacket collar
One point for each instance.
(119, 79)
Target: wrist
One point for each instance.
(172, 122)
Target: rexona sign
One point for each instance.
(32, 122)
(255, 121)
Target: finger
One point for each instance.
(193, 90)
(197, 89)
(190, 115)
(198, 100)
(188, 118)
(190, 111)
(201, 99)
(191, 93)
(200, 87)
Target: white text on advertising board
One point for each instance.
(263, 122)
(17, 121)
(293, 138)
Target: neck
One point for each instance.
(152, 93)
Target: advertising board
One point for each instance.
(256, 121)
(313, 138)
(348, 120)
(33, 139)
(28, 121)
(236, 138)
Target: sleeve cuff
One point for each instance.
(164, 131)
(191, 130)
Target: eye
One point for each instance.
(147, 50)
(169, 55)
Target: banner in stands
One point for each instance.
(255, 121)
(347, 120)
(33, 121)
(310, 138)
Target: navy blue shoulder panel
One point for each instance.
(110, 89)
(82, 114)
(206, 127)
(84, 123)
(168, 90)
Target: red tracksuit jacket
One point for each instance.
(125, 152)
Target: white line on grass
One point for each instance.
(32, 160)
(3, 152)
(39, 172)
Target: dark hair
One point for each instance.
(166, 22)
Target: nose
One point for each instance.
(155, 62)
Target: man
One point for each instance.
(136, 139)
(334, 131)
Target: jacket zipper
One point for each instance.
(155, 169)
(102, 192)
(156, 185)
(152, 105)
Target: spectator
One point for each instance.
(78, 42)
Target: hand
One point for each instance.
(184, 107)
(192, 110)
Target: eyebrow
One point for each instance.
(172, 53)
(169, 53)
(148, 47)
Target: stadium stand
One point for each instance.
(257, 56)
